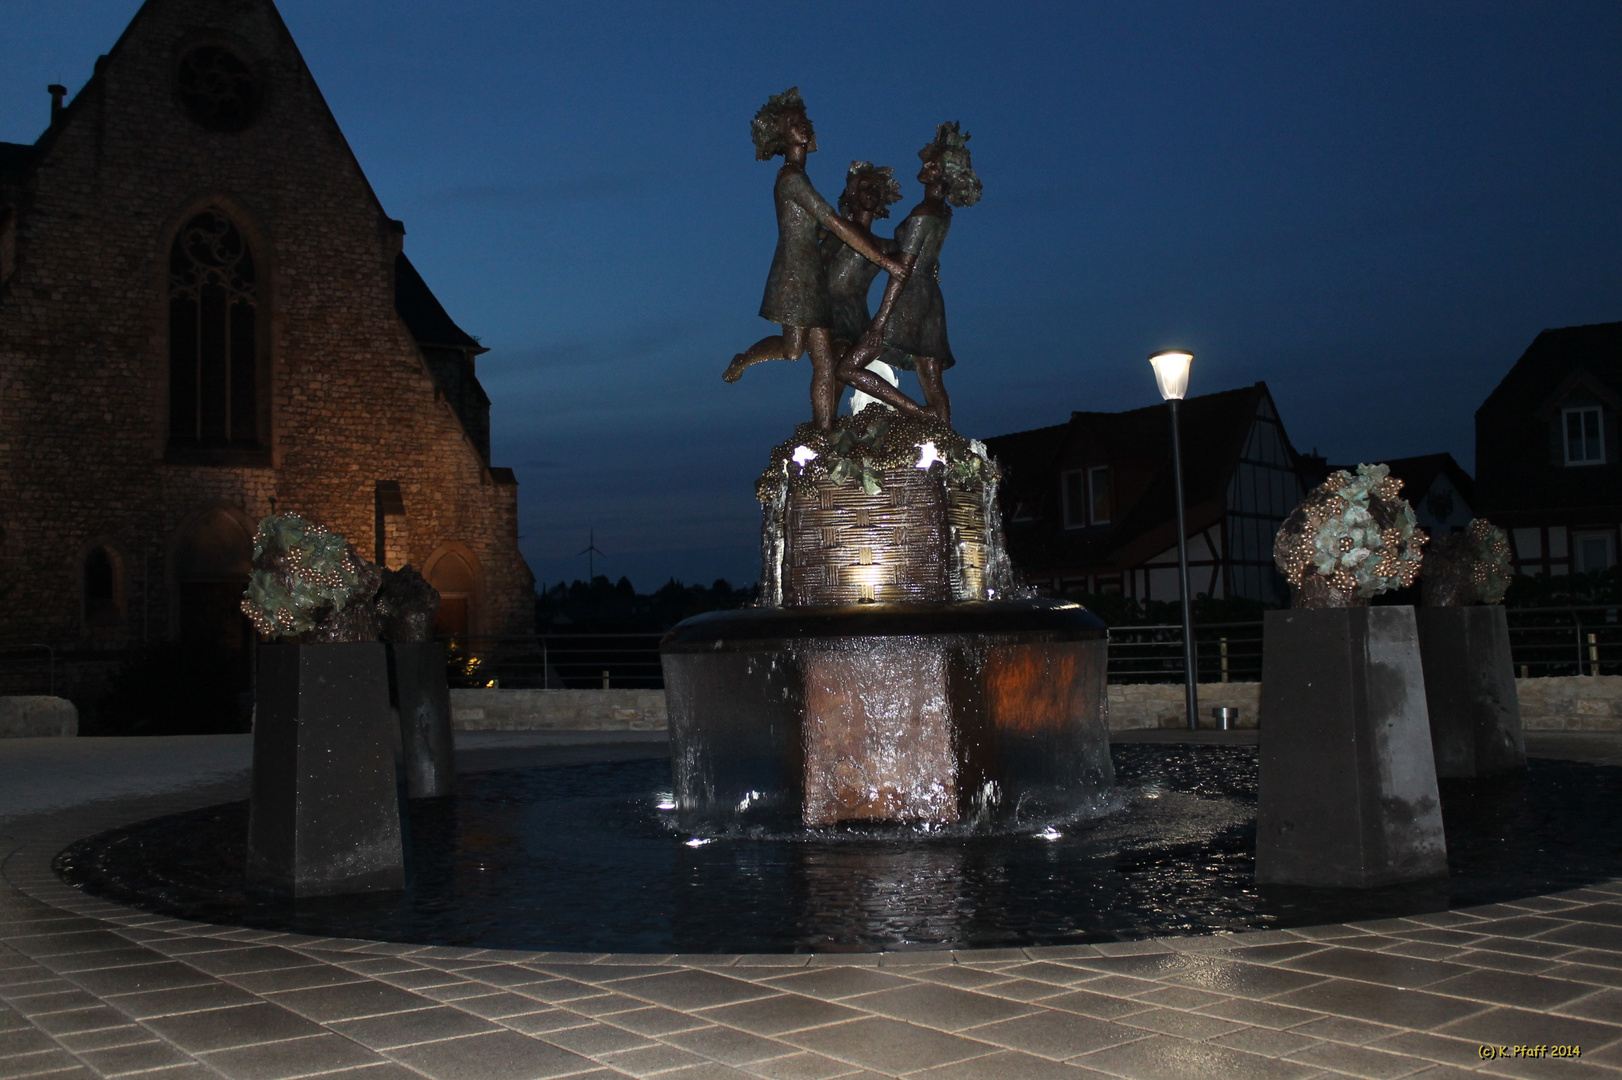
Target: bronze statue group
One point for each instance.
(826, 261)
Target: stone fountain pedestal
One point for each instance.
(1347, 788)
(324, 816)
(1475, 713)
(926, 713)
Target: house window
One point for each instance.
(1595, 551)
(1075, 499)
(1585, 445)
(213, 337)
(1098, 488)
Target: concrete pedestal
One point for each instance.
(1347, 793)
(423, 697)
(325, 812)
(1475, 715)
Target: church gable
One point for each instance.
(201, 309)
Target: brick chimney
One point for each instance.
(57, 92)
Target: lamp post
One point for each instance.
(1171, 375)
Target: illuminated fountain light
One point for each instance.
(749, 799)
(860, 401)
(698, 841)
(928, 454)
(1049, 833)
(804, 455)
(667, 800)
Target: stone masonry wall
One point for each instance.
(84, 353)
(1570, 703)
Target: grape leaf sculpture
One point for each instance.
(309, 584)
(1469, 567)
(1351, 538)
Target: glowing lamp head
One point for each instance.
(1171, 373)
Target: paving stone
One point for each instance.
(496, 1006)
(499, 1055)
(1056, 1035)
(782, 1013)
(290, 1057)
(130, 956)
(654, 1020)
(241, 1025)
(1007, 1065)
(1360, 1061)
(945, 1008)
(295, 978)
(1403, 972)
(834, 983)
(239, 961)
(729, 1045)
(604, 1005)
(1087, 1003)
(957, 975)
(181, 1000)
(1181, 997)
(1161, 1057)
(1510, 1027)
(142, 978)
(1424, 1044)
(349, 1001)
(133, 1057)
(1380, 1004)
(652, 1059)
(1267, 1042)
(1512, 988)
(1021, 990)
(1260, 1013)
(595, 1038)
(887, 1045)
(1186, 1025)
(407, 1028)
(803, 1065)
(690, 989)
(1342, 1030)
(1503, 961)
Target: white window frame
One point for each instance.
(1584, 411)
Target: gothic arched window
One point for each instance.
(213, 337)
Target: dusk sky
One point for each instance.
(1373, 207)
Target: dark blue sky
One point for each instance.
(1374, 207)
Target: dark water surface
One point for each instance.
(580, 857)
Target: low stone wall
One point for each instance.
(36, 715)
(1567, 703)
(558, 710)
(1135, 706)
(1571, 703)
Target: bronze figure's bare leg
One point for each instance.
(789, 345)
(852, 370)
(824, 384)
(929, 376)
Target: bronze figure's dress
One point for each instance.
(797, 287)
(850, 279)
(917, 326)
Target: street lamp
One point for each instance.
(1171, 375)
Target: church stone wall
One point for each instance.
(84, 345)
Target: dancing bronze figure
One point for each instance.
(797, 295)
(910, 328)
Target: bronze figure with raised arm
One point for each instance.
(910, 328)
(797, 295)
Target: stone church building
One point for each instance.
(206, 315)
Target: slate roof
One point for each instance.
(422, 312)
(1419, 473)
(1137, 444)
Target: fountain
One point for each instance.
(891, 673)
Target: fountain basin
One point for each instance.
(934, 714)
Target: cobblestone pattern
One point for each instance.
(89, 989)
(558, 710)
(83, 342)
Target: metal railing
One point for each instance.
(558, 661)
(1543, 641)
(24, 671)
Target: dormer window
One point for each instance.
(1098, 494)
(1585, 441)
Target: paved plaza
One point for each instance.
(90, 989)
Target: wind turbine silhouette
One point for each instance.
(592, 551)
